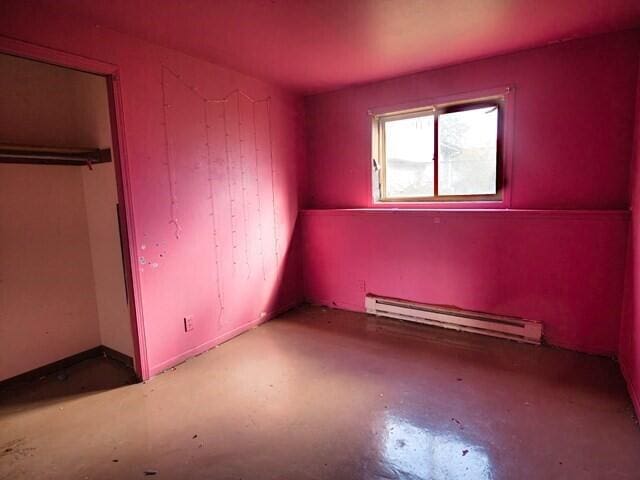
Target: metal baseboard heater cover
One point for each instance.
(512, 328)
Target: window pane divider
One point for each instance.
(435, 152)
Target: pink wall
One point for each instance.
(630, 329)
(571, 138)
(174, 177)
(572, 131)
(555, 267)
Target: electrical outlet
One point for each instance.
(188, 323)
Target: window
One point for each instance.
(440, 153)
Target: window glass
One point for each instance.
(467, 148)
(409, 157)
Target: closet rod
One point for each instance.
(53, 155)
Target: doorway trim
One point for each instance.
(19, 48)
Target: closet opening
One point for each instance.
(67, 302)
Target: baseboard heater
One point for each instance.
(512, 328)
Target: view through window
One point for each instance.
(441, 153)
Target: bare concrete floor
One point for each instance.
(325, 394)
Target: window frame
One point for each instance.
(437, 109)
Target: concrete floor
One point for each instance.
(325, 394)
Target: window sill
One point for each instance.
(498, 204)
(468, 212)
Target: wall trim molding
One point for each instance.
(499, 213)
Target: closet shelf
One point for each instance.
(53, 155)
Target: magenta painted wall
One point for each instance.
(213, 226)
(572, 131)
(630, 329)
(571, 137)
(555, 267)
